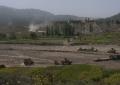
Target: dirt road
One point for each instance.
(12, 55)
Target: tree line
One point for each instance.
(60, 30)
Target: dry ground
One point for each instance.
(12, 55)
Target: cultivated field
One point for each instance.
(13, 55)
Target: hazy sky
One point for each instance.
(86, 8)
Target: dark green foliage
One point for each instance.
(15, 79)
(64, 29)
(58, 39)
(12, 36)
(2, 36)
(33, 35)
(61, 75)
(65, 75)
(68, 30)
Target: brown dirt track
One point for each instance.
(12, 55)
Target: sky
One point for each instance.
(82, 8)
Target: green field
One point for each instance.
(62, 75)
(104, 38)
(40, 41)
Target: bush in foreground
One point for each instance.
(59, 75)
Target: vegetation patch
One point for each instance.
(60, 75)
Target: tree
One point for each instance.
(2, 36)
(33, 35)
(12, 36)
(68, 30)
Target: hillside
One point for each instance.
(18, 20)
(110, 23)
(115, 17)
(12, 15)
(13, 20)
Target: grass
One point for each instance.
(104, 38)
(41, 41)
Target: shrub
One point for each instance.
(113, 79)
